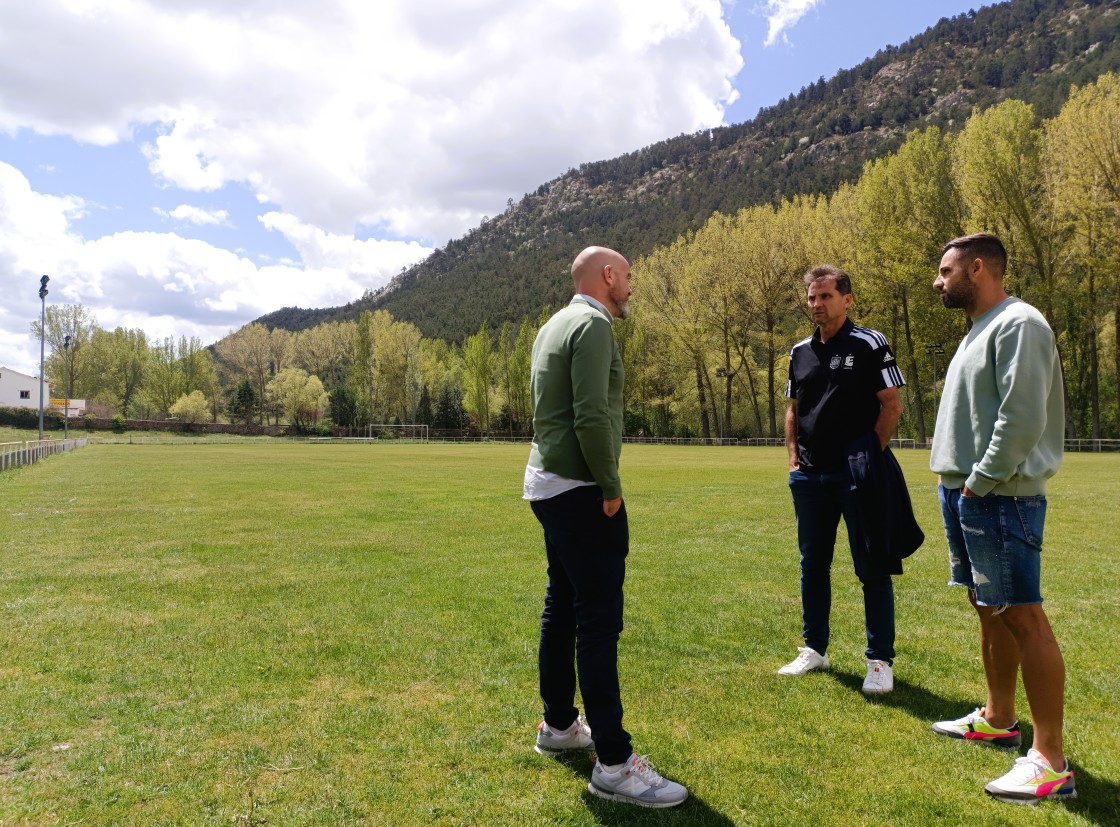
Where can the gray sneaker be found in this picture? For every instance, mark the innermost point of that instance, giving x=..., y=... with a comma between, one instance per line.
x=636, y=783
x=576, y=738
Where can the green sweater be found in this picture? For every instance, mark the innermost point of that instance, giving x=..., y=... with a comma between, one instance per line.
x=576, y=385
x=1002, y=418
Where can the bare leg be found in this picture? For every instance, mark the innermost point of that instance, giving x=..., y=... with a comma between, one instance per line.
x=1000, y=652
x=1044, y=676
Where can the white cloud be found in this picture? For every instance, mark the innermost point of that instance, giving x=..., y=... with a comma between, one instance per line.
x=419, y=116
x=319, y=249
x=163, y=283
x=196, y=215
x=783, y=15
x=401, y=119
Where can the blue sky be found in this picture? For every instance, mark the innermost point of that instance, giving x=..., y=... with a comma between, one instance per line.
x=184, y=166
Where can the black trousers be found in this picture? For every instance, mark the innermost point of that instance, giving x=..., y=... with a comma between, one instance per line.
x=582, y=615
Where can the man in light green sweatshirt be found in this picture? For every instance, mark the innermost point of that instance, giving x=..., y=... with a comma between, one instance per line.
x=998, y=439
x=573, y=487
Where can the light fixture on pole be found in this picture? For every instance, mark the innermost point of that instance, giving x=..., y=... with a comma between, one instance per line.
x=66, y=420
x=42, y=346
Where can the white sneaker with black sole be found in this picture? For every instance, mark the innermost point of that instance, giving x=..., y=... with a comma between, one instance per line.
x=637, y=782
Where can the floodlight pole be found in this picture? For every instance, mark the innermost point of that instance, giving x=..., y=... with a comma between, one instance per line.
x=934, y=350
x=66, y=420
x=721, y=372
x=42, y=346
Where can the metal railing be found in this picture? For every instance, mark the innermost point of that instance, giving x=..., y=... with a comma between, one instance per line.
x=1071, y=445
x=1095, y=446
x=15, y=454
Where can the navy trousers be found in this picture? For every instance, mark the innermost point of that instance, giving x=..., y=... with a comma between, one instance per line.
x=819, y=500
x=582, y=617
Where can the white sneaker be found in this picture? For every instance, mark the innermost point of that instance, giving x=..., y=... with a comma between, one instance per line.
x=880, y=678
x=636, y=783
x=576, y=738
x=808, y=660
x=1031, y=780
x=973, y=727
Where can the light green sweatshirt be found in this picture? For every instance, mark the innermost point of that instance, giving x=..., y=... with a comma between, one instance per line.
x=1001, y=421
x=576, y=384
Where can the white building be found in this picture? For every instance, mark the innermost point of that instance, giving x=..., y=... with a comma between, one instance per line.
x=18, y=390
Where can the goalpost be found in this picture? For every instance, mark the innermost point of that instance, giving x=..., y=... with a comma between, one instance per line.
x=384, y=430
x=379, y=431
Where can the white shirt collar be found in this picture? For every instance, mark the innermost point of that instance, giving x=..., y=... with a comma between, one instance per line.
x=598, y=305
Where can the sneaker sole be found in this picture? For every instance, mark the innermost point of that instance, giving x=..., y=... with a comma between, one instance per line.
x=878, y=691
x=659, y=805
x=804, y=672
x=1029, y=800
x=1007, y=743
x=552, y=752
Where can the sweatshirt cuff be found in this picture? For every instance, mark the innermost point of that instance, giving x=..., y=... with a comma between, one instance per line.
x=979, y=485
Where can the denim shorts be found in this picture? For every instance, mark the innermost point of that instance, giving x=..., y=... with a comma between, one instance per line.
x=995, y=545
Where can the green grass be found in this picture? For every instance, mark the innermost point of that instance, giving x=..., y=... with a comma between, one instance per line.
x=291, y=634
x=10, y=434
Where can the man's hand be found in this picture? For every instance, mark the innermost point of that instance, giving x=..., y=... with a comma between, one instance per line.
x=610, y=507
x=791, y=434
x=890, y=409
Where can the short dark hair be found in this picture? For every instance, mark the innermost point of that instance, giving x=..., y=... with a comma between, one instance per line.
x=981, y=245
x=830, y=271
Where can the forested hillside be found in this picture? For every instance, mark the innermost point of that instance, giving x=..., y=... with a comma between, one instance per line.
x=1005, y=120
x=514, y=264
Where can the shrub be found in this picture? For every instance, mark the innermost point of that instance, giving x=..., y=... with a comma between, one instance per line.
x=192, y=408
x=19, y=417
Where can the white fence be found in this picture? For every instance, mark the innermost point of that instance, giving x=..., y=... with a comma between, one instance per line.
x=1071, y=445
x=15, y=454
x=1095, y=446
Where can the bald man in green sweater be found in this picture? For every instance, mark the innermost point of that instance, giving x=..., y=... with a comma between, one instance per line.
x=573, y=487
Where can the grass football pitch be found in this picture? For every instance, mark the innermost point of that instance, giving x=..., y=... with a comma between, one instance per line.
x=301, y=634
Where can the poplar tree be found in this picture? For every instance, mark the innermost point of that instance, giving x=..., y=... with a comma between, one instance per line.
x=479, y=362
x=1082, y=159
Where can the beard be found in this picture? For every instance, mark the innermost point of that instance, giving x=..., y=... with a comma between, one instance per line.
x=960, y=296
x=621, y=303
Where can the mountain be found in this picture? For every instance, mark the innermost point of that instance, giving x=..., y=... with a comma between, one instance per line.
x=516, y=263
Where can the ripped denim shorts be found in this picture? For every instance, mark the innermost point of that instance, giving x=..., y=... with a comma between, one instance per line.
x=995, y=545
